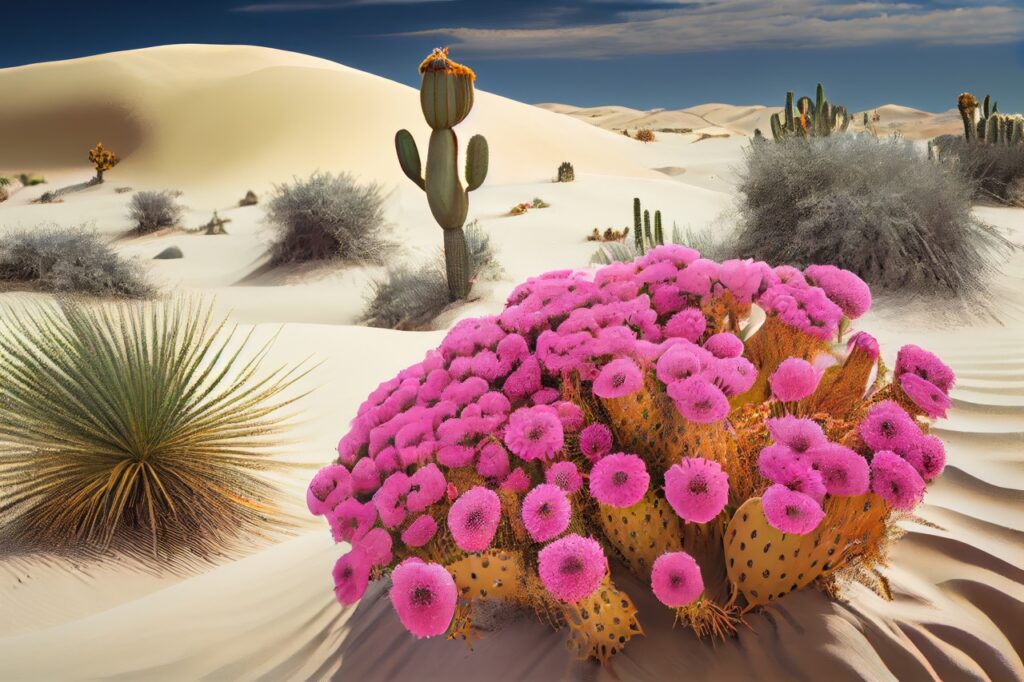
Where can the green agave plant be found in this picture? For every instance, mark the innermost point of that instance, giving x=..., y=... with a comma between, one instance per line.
x=139, y=429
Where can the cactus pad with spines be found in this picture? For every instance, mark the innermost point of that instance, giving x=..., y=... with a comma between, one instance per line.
x=601, y=624
x=643, y=532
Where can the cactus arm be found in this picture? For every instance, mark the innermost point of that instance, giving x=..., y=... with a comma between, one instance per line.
x=447, y=200
x=638, y=235
x=984, y=107
x=409, y=157
x=476, y=162
x=659, y=235
x=778, y=132
x=790, y=125
x=647, y=228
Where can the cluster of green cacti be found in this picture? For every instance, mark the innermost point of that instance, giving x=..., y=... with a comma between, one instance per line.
x=809, y=119
x=644, y=237
x=566, y=172
x=990, y=127
x=446, y=97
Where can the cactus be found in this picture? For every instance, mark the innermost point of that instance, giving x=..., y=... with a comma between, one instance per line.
x=647, y=227
x=990, y=127
x=102, y=160
x=566, y=172
x=809, y=118
x=659, y=235
x=446, y=98
x=638, y=234
x=645, y=135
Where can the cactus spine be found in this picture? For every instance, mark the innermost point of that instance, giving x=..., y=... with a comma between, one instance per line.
x=809, y=119
x=446, y=98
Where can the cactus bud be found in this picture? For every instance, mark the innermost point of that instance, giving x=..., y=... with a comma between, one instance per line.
x=446, y=93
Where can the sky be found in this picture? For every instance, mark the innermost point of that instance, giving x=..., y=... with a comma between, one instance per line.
x=664, y=53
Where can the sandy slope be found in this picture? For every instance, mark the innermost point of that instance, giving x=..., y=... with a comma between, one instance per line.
x=215, y=121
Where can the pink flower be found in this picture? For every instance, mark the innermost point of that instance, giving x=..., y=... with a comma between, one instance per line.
x=523, y=381
x=618, y=378
x=426, y=487
x=865, y=343
x=376, y=544
x=619, y=480
x=516, y=482
x=424, y=596
x=473, y=519
x=351, y=576
x=493, y=461
x=329, y=486
x=791, y=512
x=676, y=580
x=390, y=499
x=546, y=512
x=842, y=470
x=675, y=364
x=697, y=489
x=420, y=531
x=572, y=568
x=688, y=324
x=800, y=435
x=794, y=380
x=734, y=376
x=365, y=477
x=926, y=365
x=565, y=475
x=741, y=277
x=926, y=395
x=928, y=456
x=534, y=432
x=844, y=288
x=596, y=441
x=779, y=463
x=888, y=427
x=351, y=520
x=895, y=480
x=698, y=400
x=724, y=345
x=570, y=415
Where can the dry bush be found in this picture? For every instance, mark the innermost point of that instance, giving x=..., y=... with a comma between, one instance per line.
x=152, y=211
x=996, y=169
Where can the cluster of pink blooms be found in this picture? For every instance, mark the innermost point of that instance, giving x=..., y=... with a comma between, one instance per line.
x=435, y=454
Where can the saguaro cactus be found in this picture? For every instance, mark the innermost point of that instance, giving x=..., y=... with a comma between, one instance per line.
x=984, y=124
x=446, y=97
x=809, y=118
x=102, y=160
x=638, y=233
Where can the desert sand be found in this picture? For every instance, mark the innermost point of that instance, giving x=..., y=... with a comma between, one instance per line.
x=214, y=122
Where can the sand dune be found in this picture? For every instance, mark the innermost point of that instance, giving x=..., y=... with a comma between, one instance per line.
x=215, y=121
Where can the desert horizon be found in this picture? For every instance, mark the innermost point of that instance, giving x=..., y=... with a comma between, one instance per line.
x=216, y=162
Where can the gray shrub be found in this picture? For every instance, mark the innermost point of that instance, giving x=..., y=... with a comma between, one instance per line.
x=152, y=211
x=69, y=260
x=875, y=207
x=328, y=217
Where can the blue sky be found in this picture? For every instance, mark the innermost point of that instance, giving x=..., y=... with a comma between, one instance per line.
x=667, y=53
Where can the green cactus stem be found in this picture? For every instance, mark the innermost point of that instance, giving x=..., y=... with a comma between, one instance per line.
x=647, y=228
x=446, y=98
x=638, y=234
x=659, y=235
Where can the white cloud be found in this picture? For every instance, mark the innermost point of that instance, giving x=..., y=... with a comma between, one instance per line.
x=737, y=24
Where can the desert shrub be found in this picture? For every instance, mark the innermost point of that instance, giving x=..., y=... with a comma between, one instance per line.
x=997, y=170
x=645, y=135
x=69, y=260
x=152, y=211
x=875, y=207
x=31, y=179
x=566, y=173
x=409, y=297
x=141, y=429
x=328, y=217
x=615, y=416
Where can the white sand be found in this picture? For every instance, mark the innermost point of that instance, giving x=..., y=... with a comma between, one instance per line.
x=216, y=121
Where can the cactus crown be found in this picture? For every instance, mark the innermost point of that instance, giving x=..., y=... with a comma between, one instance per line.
x=438, y=62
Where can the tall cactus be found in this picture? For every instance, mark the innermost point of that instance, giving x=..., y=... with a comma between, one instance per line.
x=659, y=235
x=446, y=98
x=809, y=118
x=638, y=233
x=990, y=127
x=644, y=237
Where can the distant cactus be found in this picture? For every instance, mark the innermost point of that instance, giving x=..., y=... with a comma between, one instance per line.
x=645, y=135
x=810, y=119
x=102, y=160
x=986, y=125
x=647, y=227
x=638, y=235
x=644, y=237
x=659, y=235
x=446, y=97
x=566, y=172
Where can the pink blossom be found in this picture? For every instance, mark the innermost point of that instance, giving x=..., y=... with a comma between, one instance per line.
x=724, y=345
x=926, y=395
x=888, y=427
x=618, y=378
x=675, y=364
x=365, y=477
x=676, y=580
x=795, y=379
x=420, y=531
x=572, y=567
x=928, y=456
x=619, y=480
x=516, y=482
x=843, y=471
x=844, y=288
x=791, y=512
x=351, y=576
x=914, y=360
x=351, y=520
x=473, y=519
x=546, y=512
x=698, y=400
x=689, y=324
x=424, y=596
x=493, y=461
x=534, y=433
x=330, y=486
x=799, y=434
x=376, y=544
x=595, y=441
x=565, y=475
x=697, y=489
x=426, y=487
x=896, y=481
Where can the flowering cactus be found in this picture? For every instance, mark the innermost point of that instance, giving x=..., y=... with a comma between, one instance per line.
x=628, y=414
x=102, y=160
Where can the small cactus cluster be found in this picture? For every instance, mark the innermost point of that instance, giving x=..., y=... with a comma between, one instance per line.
x=446, y=97
x=990, y=127
x=566, y=172
x=809, y=119
x=645, y=135
x=610, y=234
x=644, y=237
x=102, y=160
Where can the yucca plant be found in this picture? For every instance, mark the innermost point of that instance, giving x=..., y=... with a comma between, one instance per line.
x=140, y=430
